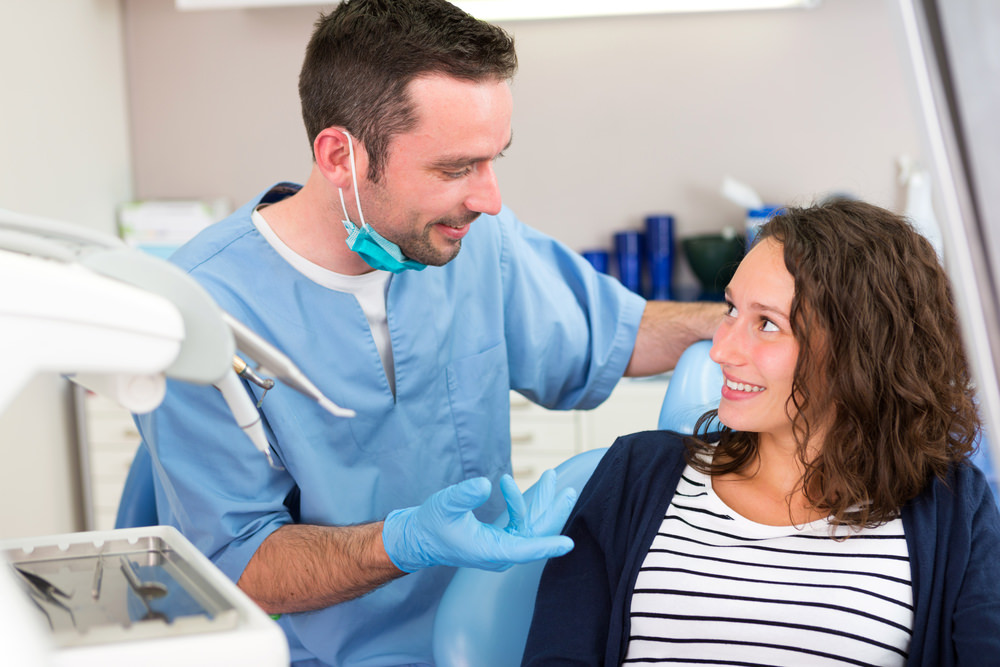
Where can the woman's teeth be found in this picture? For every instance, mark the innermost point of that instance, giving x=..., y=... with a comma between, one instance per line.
x=741, y=386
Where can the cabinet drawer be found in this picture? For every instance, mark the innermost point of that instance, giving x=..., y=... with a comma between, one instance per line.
x=107, y=495
x=107, y=465
x=555, y=435
x=114, y=431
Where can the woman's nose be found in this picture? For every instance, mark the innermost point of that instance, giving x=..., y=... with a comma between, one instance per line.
x=725, y=344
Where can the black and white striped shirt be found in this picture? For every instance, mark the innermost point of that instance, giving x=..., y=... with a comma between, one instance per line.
x=717, y=588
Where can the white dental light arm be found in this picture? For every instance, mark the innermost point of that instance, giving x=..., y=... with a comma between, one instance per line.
x=120, y=321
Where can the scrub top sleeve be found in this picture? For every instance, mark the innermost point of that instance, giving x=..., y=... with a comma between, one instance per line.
x=570, y=330
x=211, y=482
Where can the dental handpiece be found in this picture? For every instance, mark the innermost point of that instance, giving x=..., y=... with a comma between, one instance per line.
x=272, y=362
x=247, y=373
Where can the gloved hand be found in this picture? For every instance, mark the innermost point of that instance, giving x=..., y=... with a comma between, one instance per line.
x=444, y=531
x=545, y=516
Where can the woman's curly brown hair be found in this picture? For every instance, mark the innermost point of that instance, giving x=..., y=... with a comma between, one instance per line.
x=876, y=325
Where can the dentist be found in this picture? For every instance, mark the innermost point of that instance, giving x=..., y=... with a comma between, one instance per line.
x=396, y=278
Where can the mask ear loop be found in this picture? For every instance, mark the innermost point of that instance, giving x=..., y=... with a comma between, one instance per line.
x=354, y=177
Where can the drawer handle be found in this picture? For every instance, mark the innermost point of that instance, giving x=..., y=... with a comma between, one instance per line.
x=521, y=438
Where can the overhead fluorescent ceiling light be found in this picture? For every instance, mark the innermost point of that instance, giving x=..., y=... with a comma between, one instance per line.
x=494, y=10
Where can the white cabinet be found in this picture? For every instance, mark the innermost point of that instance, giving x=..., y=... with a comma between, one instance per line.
x=541, y=439
x=112, y=439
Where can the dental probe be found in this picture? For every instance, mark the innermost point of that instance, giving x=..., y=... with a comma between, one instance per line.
x=272, y=362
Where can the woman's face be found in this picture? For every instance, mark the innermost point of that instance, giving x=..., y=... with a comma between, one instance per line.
x=755, y=347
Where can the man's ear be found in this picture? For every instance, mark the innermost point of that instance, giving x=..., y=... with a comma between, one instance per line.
x=333, y=157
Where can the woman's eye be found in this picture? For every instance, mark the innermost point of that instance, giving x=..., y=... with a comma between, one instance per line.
x=769, y=326
x=731, y=310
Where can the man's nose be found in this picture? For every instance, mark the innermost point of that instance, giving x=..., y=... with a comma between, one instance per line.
x=485, y=194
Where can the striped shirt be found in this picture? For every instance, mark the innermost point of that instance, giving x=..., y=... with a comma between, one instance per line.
x=717, y=588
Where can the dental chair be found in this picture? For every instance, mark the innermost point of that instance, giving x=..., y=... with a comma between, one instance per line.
x=484, y=617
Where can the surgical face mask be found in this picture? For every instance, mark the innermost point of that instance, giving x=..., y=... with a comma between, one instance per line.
x=378, y=251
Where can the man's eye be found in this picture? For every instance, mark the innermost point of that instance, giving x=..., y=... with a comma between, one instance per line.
x=461, y=173
x=731, y=310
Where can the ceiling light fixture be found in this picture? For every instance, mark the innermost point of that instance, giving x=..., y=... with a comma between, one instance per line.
x=498, y=10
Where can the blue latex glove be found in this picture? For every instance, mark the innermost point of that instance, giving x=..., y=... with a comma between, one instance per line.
x=545, y=516
x=444, y=531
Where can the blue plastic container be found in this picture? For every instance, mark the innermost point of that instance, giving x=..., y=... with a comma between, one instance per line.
x=629, y=257
x=660, y=254
x=599, y=259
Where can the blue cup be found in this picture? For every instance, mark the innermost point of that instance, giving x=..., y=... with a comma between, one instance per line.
x=660, y=250
x=629, y=257
x=599, y=259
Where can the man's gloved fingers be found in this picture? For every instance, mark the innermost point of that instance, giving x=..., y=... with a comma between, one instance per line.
x=517, y=509
x=553, y=520
x=527, y=550
x=464, y=496
x=545, y=491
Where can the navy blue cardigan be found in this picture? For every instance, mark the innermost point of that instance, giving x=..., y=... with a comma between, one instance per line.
x=582, y=610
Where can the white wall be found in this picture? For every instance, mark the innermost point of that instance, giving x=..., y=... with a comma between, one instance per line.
x=63, y=154
x=614, y=117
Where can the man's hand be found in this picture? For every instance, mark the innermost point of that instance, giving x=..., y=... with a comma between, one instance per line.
x=444, y=531
x=546, y=515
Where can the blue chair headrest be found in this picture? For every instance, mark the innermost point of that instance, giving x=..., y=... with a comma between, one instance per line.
x=695, y=388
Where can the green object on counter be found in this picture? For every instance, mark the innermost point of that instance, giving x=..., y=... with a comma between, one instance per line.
x=713, y=259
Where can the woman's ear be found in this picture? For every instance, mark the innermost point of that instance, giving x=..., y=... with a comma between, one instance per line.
x=333, y=157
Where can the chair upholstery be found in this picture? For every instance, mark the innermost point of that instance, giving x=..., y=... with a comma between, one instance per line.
x=695, y=388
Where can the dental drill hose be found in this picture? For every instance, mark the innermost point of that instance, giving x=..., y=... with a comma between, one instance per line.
x=245, y=412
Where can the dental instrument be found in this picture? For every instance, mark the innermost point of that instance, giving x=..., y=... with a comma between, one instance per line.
x=272, y=362
x=247, y=373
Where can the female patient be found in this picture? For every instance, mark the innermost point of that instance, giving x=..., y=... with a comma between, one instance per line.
x=835, y=518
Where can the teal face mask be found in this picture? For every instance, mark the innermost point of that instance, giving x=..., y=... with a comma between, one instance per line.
x=378, y=251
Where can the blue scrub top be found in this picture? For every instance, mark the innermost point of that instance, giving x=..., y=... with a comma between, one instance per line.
x=514, y=310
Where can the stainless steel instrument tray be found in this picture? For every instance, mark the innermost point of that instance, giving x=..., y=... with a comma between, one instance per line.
x=117, y=613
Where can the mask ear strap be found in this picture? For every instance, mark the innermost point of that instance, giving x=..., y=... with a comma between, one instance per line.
x=354, y=177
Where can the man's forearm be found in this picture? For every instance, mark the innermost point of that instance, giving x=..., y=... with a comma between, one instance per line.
x=667, y=329
x=302, y=567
